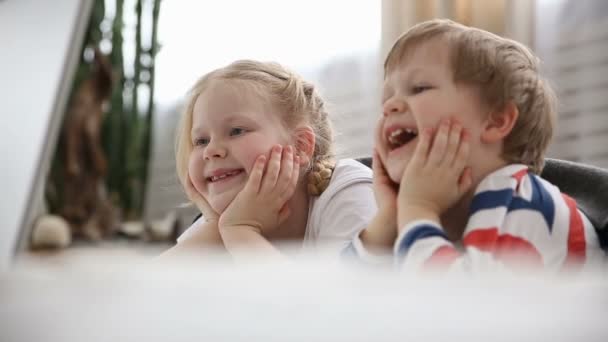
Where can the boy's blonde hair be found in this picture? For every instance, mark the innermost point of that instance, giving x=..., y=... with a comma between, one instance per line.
x=297, y=99
x=504, y=71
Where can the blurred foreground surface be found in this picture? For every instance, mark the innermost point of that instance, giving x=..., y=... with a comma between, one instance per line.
x=128, y=298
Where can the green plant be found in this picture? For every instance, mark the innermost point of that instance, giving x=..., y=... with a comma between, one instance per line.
x=127, y=126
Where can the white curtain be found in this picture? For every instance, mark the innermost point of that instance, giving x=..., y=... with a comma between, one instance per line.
x=572, y=39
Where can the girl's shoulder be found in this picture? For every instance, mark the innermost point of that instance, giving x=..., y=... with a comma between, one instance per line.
x=348, y=171
x=349, y=176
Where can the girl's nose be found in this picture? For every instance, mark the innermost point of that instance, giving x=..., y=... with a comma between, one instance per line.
x=215, y=149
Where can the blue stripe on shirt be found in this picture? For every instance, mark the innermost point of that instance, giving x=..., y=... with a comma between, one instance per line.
x=541, y=201
x=420, y=232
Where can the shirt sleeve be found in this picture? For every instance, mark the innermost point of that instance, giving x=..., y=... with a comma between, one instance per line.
x=190, y=230
x=348, y=211
x=530, y=226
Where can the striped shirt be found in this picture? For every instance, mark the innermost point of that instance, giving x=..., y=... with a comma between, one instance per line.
x=517, y=221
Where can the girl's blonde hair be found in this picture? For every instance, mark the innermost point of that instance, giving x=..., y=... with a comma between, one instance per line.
x=504, y=71
x=297, y=99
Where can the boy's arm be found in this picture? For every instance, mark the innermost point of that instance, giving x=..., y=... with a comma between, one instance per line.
x=378, y=237
x=516, y=224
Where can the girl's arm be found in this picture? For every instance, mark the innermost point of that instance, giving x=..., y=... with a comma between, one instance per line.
x=242, y=241
x=261, y=206
x=204, y=239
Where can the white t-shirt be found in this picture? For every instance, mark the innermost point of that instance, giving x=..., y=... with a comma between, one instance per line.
x=342, y=210
x=339, y=213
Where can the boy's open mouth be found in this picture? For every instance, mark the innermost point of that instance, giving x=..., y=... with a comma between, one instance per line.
x=398, y=137
x=219, y=176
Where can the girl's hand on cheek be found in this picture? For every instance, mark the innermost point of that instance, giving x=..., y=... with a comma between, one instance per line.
x=201, y=203
x=436, y=177
x=261, y=205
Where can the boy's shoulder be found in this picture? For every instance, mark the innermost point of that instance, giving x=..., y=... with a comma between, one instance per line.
x=516, y=187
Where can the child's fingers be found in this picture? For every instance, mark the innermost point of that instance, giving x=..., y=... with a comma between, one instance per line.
x=440, y=142
x=422, y=149
x=462, y=155
x=285, y=195
x=453, y=144
x=255, y=176
x=284, y=213
x=465, y=181
x=199, y=201
x=272, y=170
x=377, y=167
x=287, y=166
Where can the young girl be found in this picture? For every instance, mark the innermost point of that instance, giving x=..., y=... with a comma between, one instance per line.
x=254, y=152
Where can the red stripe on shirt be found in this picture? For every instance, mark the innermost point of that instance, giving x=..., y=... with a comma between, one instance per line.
x=509, y=249
x=518, y=176
x=483, y=239
x=577, y=245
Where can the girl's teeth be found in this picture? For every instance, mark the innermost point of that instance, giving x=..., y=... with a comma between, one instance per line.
x=216, y=178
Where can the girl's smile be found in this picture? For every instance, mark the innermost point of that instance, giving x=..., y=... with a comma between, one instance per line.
x=231, y=126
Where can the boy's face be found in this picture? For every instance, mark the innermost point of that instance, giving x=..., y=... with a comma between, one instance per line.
x=417, y=94
x=231, y=127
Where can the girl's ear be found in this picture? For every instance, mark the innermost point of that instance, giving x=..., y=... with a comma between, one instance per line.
x=499, y=124
x=305, y=144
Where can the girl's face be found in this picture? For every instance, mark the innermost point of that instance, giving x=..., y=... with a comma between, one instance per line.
x=231, y=127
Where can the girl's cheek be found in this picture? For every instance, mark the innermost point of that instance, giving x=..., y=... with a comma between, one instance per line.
x=195, y=170
x=252, y=150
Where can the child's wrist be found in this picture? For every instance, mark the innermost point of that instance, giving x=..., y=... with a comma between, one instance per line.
x=387, y=214
x=417, y=211
x=241, y=227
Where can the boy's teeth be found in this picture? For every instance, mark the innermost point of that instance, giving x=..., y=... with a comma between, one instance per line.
x=394, y=135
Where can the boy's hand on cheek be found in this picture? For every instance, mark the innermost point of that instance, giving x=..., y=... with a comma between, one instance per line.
x=436, y=176
x=385, y=192
x=261, y=205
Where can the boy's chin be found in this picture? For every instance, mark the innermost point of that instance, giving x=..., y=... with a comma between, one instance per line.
x=395, y=173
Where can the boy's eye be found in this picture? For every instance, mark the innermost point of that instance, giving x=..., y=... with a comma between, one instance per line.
x=236, y=131
x=420, y=88
x=201, y=142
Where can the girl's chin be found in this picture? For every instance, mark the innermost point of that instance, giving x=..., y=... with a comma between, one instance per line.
x=219, y=206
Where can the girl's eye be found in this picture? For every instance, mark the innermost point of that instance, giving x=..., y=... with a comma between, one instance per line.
x=201, y=142
x=236, y=131
x=420, y=88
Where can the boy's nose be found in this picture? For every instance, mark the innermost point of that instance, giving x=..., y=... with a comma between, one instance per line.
x=394, y=106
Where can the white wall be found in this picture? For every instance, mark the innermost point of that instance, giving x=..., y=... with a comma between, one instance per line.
x=40, y=45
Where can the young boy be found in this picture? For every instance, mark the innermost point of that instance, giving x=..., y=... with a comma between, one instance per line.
x=465, y=126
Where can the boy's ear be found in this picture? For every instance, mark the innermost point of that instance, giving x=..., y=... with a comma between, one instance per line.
x=500, y=123
x=305, y=143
